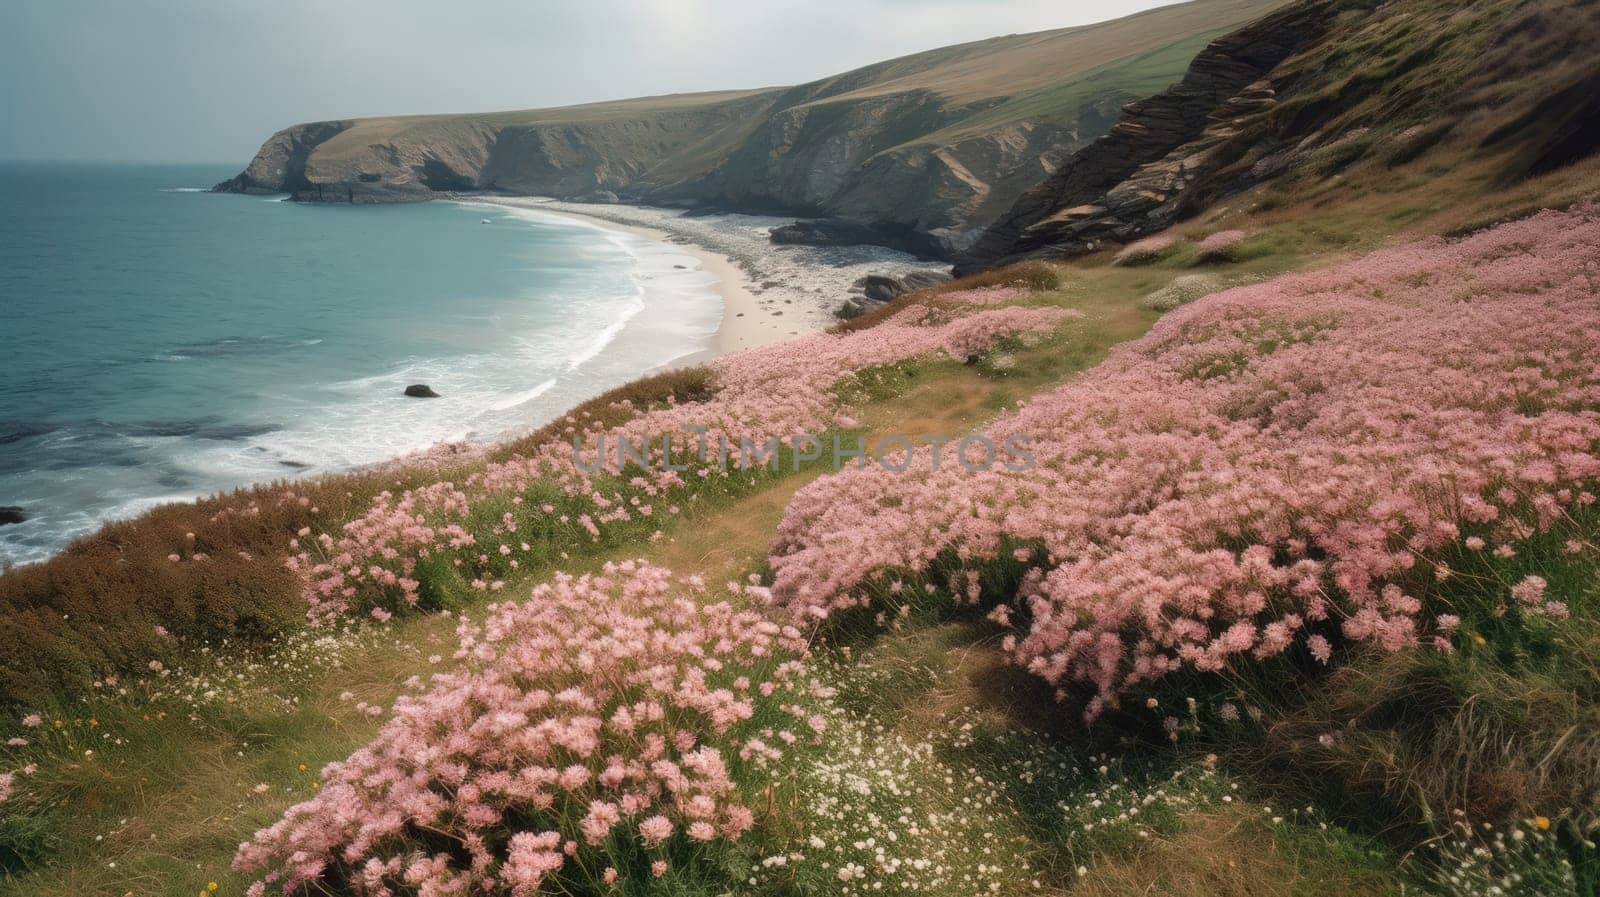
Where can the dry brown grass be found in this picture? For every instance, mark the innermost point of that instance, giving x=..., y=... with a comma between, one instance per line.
x=734, y=540
x=617, y=406
x=1424, y=738
x=93, y=609
x=1231, y=852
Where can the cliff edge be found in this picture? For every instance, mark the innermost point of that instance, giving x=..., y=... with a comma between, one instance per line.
x=923, y=152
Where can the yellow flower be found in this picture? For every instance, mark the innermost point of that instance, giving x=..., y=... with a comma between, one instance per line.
x=1479, y=640
x=211, y=886
x=302, y=767
x=1542, y=823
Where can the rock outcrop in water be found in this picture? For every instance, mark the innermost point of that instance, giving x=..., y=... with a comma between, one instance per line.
x=12, y=514
x=920, y=152
x=421, y=391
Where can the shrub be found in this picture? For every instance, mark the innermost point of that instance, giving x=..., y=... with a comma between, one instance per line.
x=1184, y=289
x=1036, y=276
x=1222, y=246
x=1329, y=160
x=616, y=725
x=1278, y=470
x=96, y=606
x=27, y=838
x=1502, y=723
x=1524, y=859
x=1145, y=251
x=1417, y=140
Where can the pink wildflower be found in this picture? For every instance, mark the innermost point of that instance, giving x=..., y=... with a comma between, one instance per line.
x=638, y=740
x=1221, y=475
x=655, y=830
x=1530, y=590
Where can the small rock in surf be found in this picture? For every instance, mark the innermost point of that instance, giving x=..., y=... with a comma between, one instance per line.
x=421, y=391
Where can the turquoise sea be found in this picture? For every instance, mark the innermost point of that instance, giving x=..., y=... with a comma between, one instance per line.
x=159, y=342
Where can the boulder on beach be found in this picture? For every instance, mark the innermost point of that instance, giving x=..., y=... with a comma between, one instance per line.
x=12, y=514
x=421, y=391
x=923, y=280
x=880, y=287
x=876, y=289
x=822, y=233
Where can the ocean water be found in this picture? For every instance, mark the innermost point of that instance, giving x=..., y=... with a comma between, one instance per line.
x=159, y=342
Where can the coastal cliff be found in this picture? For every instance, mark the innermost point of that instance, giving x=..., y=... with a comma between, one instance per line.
x=1324, y=102
x=1133, y=170
x=922, y=152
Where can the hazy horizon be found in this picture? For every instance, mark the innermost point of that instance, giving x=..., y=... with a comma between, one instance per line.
x=187, y=81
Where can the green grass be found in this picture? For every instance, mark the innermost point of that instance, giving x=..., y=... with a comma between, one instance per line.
x=1083, y=811
x=1103, y=89
x=946, y=727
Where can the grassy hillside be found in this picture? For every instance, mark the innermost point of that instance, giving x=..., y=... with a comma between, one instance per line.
x=1005, y=67
x=1103, y=88
x=1357, y=102
x=150, y=780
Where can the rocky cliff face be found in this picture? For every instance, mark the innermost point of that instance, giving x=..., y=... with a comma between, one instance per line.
x=1133, y=179
x=280, y=164
x=921, y=152
x=1300, y=96
x=569, y=156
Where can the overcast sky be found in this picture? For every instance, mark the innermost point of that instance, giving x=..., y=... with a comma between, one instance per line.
x=208, y=80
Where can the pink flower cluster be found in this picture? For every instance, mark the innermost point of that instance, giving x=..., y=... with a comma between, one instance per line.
x=1276, y=465
x=1220, y=244
x=777, y=391
x=1143, y=251
x=978, y=296
x=597, y=723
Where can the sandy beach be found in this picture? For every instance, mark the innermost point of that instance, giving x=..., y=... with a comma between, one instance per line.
x=746, y=322
x=769, y=293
